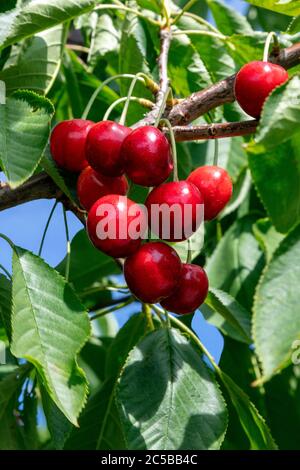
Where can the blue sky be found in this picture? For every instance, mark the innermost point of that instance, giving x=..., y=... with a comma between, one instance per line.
x=25, y=224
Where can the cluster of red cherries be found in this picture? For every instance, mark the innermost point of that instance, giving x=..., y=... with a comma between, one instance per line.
x=105, y=152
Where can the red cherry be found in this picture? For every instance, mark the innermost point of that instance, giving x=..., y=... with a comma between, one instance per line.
x=180, y=213
x=152, y=272
x=191, y=290
x=147, y=156
x=92, y=185
x=215, y=185
x=67, y=144
x=254, y=82
x=103, y=147
x=116, y=224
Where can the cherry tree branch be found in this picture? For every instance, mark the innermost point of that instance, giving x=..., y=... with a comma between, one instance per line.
x=41, y=186
x=164, y=82
x=214, y=131
x=201, y=102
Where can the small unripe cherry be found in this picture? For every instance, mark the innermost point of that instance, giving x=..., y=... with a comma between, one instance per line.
x=152, y=272
x=215, y=185
x=116, y=225
x=147, y=156
x=174, y=210
x=103, y=147
x=91, y=185
x=190, y=292
x=67, y=144
x=254, y=82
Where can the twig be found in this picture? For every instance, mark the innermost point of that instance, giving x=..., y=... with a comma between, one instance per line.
x=214, y=131
x=165, y=42
x=223, y=92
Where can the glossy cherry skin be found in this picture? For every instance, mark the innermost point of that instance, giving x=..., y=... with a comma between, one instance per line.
x=254, y=82
x=92, y=185
x=178, y=224
x=215, y=185
x=120, y=222
x=147, y=156
x=103, y=147
x=152, y=273
x=190, y=292
x=67, y=144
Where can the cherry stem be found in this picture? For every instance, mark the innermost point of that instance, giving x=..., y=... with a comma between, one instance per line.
x=198, y=32
x=186, y=7
x=106, y=311
x=271, y=36
x=5, y=271
x=216, y=152
x=8, y=240
x=202, y=21
x=174, y=150
x=148, y=315
x=128, y=98
x=162, y=107
x=129, y=10
x=189, y=252
x=67, y=271
x=100, y=88
x=46, y=228
x=141, y=101
x=193, y=337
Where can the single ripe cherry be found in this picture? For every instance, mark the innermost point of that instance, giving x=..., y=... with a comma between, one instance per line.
x=116, y=225
x=147, y=156
x=191, y=290
x=103, y=147
x=92, y=185
x=67, y=144
x=215, y=185
x=174, y=210
x=152, y=273
x=254, y=82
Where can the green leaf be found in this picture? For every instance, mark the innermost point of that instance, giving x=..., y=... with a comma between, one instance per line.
x=53, y=171
x=59, y=426
x=282, y=413
x=99, y=424
x=87, y=265
x=10, y=389
x=215, y=57
x=181, y=408
x=36, y=15
x=287, y=7
x=133, y=59
x=100, y=427
x=23, y=134
x=186, y=69
x=276, y=175
x=105, y=38
x=35, y=63
x=276, y=324
x=237, y=262
x=226, y=313
x=49, y=328
x=228, y=20
x=280, y=117
x=29, y=418
x=5, y=304
x=128, y=336
x=268, y=238
x=252, y=422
